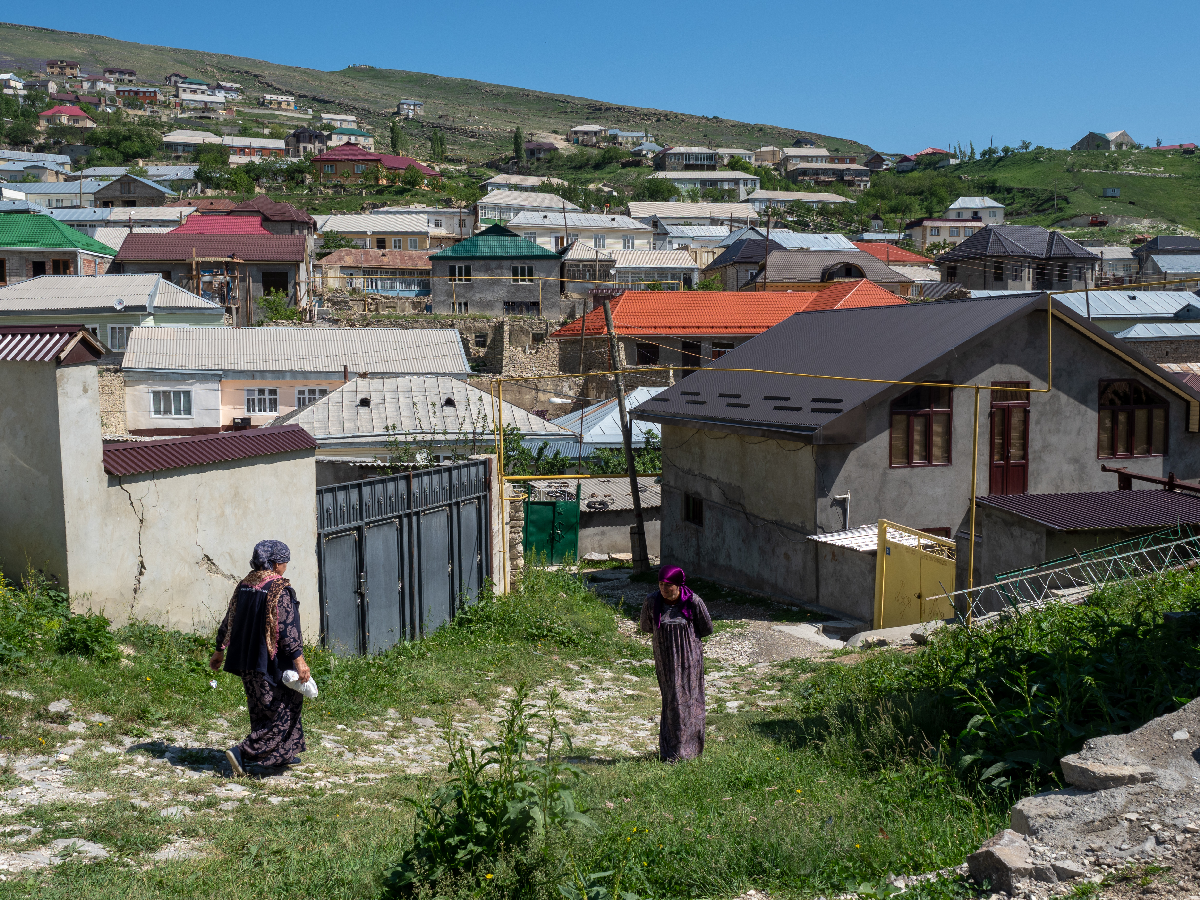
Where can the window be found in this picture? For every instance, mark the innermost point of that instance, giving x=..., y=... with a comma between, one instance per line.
x=1064, y=271
x=262, y=400
x=330, y=168
x=598, y=241
x=397, y=243
x=380, y=243
x=60, y=267
x=531, y=236
x=481, y=339
x=997, y=271
x=39, y=267
x=967, y=232
x=647, y=354
x=720, y=348
x=460, y=273
x=934, y=232
x=413, y=244
x=1133, y=421
x=359, y=168
x=627, y=242
x=1079, y=273
x=437, y=223
x=920, y=431
x=459, y=306
x=118, y=336
x=958, y=215
x=126, y=187
x=309, y=396
x=953, y=232
x=175, y=404
x=951, y=272
x=1040, y=272
x=991, y=214
x=1018, y=273
x=3, y=271
x=522, y=274
x=693, y=510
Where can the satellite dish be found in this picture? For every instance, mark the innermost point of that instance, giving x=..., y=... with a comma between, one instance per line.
x=118, y=303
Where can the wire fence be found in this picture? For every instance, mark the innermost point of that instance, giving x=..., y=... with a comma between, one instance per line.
x=1075, y=582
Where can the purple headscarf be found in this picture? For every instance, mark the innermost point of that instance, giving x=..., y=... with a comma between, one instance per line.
x=674, y=575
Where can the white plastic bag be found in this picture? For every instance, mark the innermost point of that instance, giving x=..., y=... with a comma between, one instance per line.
x=291, y=678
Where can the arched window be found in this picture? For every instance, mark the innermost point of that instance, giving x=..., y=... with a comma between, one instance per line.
x=1133, y=421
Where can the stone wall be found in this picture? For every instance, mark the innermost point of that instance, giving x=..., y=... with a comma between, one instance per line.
x=112, y=400
x=1179, y=351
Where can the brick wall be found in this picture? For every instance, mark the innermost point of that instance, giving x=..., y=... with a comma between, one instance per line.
x=1178, y=351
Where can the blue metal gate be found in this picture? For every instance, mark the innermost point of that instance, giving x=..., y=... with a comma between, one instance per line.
x=400, y=555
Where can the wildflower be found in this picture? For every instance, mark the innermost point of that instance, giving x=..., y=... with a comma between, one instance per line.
x=857, y=845
x=798, y=791
x=488, y=876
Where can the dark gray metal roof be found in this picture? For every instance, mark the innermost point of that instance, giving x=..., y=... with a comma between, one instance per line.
x=813, y=265
x=1167, y=243
x=884, y=342
x=1018, y=241
x=743, y=251
x=1102, y=509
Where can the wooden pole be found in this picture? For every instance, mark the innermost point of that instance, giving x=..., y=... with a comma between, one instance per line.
x=641, y=560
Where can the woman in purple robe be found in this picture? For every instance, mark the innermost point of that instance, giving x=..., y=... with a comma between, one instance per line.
x=677, y=618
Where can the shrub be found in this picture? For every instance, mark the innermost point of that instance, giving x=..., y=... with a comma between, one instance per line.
x=87, y=635
x=277, y=309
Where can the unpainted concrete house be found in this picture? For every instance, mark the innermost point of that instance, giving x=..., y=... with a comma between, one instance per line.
x=159, y=531
x=755, y=464
x=497, y=272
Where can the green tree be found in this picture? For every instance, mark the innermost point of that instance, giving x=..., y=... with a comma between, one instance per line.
x=971, y=154
x=138, y=171
x=521, y=460
x=412, y=177
x=647, y=460
x=654, y=190
x=518, y=144
x=20, y=132
x=212, y=155
x=710, y=284
x=437, y=145
x=1024, y=146
x=399, y=139
x=333, y=240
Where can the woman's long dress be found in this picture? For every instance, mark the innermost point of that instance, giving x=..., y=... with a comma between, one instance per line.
x=679, y=664
x=276, y=732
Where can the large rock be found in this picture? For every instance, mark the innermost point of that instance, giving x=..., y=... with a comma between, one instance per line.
x=1001, y=861
x=1092, y=775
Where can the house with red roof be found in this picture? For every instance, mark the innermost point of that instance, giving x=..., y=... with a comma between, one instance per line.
x=221, y=225
x=65, y=115
x=349, y=163
x=276, y=217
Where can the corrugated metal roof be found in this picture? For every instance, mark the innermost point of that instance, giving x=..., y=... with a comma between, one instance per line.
x=576, y=220
x=1157, y=331
x=865, y=538
x=44, y=343
x=918, y=273
x=222, y=225
x=602, y=421
x=45, y=233
x=88, y=186
x=87, y=214
x=114, y=236
x=891, y=255
x=638, y=313
x=600, y=494
x=1127, y=304
x=425, y=407
x=696, y=231
x=203, y=449
x=680, y=210
x=581, y=250
x=495, y=242
x=789, y=240
x=976, y=203
x=530, y=199
x=384, y=351
x=246, y=247
x=1178, y=264
x=654, y=259
x=378, y=259
x=99, y=292
x=1102, y=509
x=376, y=223
x=720, y=175
x=800, y=196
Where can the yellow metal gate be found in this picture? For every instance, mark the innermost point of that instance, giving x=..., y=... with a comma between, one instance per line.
x=911, y=566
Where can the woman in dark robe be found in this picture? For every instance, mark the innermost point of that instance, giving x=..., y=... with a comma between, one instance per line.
x=677, y=618
x=260, y=640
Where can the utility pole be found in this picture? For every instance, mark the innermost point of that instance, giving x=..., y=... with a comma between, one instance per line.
x=641, y=560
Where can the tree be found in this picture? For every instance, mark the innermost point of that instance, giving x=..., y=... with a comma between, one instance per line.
x=654, y=190
x=989, y=153
x=710, y=284
x=213, y=155
x=333, y=240
x=437, y=145
x=1158, y=142
x=412, y=177
x=971, y=155
x=399, y=139
x=1006, y=151
x=138, y=171
x=1024, y=146
x=519, y=144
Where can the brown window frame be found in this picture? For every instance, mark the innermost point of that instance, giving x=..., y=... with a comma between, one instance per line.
x=923, y=412
x=1131, y=410
x=693, y=510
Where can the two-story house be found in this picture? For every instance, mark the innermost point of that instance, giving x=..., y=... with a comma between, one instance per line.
x=686, y=159
x=305, y=140
x=555, y=230
x=499, y=207
x=738, y=184
x=497, y=272
x=983, y=210
x=1019, y=258
x=379, y=231
x=65, y=115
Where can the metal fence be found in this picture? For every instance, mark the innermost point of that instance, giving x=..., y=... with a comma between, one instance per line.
x=400, y=555
x=1076, y=581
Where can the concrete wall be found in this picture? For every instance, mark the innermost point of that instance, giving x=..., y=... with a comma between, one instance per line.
x=163, y=547
x=181, y=273
x=608, y=532
x=206, y=402
x=758, y=510
x=846, y=580
x=491, y=286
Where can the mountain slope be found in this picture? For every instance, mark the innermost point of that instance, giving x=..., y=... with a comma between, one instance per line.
x=477, y=117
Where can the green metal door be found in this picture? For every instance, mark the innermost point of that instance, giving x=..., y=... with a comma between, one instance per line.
x=551, y=530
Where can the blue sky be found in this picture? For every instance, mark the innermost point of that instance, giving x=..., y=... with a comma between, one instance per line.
x=897, y=76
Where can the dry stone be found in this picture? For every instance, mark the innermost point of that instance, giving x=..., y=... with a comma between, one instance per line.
x=1001, y=861
x=1098, y=776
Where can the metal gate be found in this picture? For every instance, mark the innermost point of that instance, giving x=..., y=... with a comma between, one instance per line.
x=551, y=530
x=399, y=555
x=912, y=568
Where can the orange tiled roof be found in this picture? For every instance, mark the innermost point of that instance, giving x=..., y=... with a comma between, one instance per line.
x=692, y=313
x=890, y=254
x=853, y=294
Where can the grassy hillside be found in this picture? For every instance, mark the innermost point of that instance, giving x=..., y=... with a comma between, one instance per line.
x=477, y=117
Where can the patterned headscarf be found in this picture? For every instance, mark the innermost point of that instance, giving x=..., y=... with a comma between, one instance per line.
x=676, y=575
x=268, y=553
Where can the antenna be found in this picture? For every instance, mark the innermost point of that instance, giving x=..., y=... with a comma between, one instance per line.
x=118, y=304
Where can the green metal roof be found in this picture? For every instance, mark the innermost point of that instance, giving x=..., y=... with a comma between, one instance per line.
x=351, y=131
x=29, y=230
x=496, y=242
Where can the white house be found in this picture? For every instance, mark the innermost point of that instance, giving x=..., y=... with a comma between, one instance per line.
x=762, y=200
x=554, y=230
x=985, y=209
x=664, y=270
x=726, y=180
x=498, y=207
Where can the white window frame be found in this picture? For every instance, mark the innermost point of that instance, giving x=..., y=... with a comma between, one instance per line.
x=522, y=274
x=179, y=403
x=414, y=243
x=628, y=242
x=437, y=223
x=119, y=331
x=397, y=243
x=598, y=241
x=953, y=232
x=459, y=273
x=262, y=401
x=935, y=232
x=991, y=214
x=307, y=396
x=530, y=236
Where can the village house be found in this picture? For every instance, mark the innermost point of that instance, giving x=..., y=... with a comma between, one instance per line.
x=339, y=120
x=738, y=262
x=653, y=214
x=183, y=142
x=43, y=172
x=12, y=85
x=924, y=232
x=1166, y=245
x=277, y=101
x=397, y=273
x=437, y=417
x=686, y=159
x=853, y=176
x=63, y=194
x=984, y=210
x=1019, y=258
x=407, y=109
x=356, y=136
x=691, y=238
x=351, y=164
x=588, y=135
x=130, y=190
x=725, y=154
x=1118, y=263
x=536, y=150
x=242, y=149
x=64, y=68
x=810, y=270
x=140, y=94
x=305, y=140
x=198, y=97
x=738, y=183
x=1112, y=140
x=32, y=245
x=584, y=268
x=555, y=230
x=446, y=225
x=379, y=231
x=275, y=216
x=767, y=156
x=497, y=272
x=109, y=306
x=498, y=207
x=65, y=115
x=655, y=270
x=855, y=452
x=518, y=182
x=201, y=380
x=790, y=156
x=763, y=200
x=121, y=76
x=1179, y=272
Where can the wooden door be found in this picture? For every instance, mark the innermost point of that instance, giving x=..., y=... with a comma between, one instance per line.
x=1009, y=466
